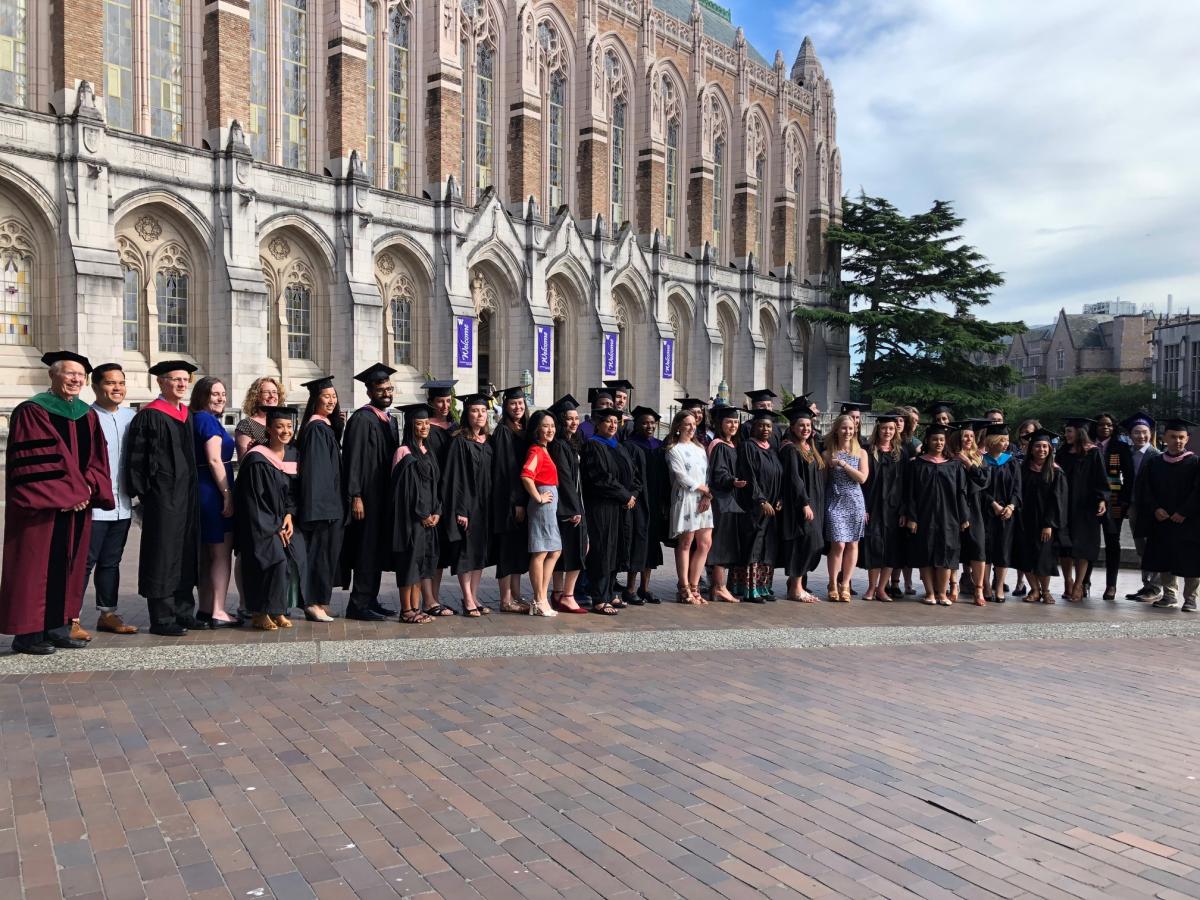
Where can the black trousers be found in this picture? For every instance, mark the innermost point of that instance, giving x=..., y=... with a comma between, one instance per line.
x=1112, y=553
x=364, y=594
x=104, y=556
x=178, y=609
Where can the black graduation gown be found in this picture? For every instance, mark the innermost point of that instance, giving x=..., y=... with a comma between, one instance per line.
x=1175, y=487
x=1004, y=487
x=262, y=496
x=801, y=544
x=161, y=471
x=607, y=487
x=1087, y=485
x=367, y=450
x=467, y=492
x=322, y=510
x=763, y=474
x=648, y=519
x=631, y=471
x=935, y=497
x=1043, y=505
x=570, y=504
x=883, y=493
x=439, y=442
x=728, y=515
x=416, y=495
x=1117, y=458
x=974, y=539
x=510, y=538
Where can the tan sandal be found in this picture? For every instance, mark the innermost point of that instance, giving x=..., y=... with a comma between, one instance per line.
x=263, y=622
x=282, y=621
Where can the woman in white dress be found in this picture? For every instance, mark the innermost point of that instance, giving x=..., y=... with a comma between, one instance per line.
x=691, y=520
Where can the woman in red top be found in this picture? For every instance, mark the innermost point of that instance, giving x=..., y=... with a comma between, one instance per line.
x=539, y=475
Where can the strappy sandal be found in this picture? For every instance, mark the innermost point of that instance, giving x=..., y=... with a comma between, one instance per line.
x=514, y=606
x=415, y=617
x=475, y=612
x=980, y=600
x=697, y=597
x=834, y=596
x=437, y=610
x=604, y=609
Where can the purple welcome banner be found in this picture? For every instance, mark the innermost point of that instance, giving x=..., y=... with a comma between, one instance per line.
x=610, y=354
x=464, y=345
x=668, y=358
x=545, y=356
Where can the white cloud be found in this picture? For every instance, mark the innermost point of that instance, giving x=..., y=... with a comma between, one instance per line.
x=1066, y=132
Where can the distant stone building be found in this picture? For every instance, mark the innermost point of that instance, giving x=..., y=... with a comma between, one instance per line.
x=1176, y=366
x=1081, y=344
x=478, y=189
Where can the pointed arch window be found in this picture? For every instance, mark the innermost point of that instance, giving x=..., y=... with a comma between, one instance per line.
x=260, y=80
x=297, y=305
x=389, y=88
x=14, y=74
x=399, y=294
x=171, y=292
x=718, y=201
x=16, y=283
x=674, y=125
x=279, y=82
x=118, y=63
x=479, y=59
x=618, y=90
x=401, y=311
x=144, y=43
x=131, y=309
x=554, y=102
x=760, y=232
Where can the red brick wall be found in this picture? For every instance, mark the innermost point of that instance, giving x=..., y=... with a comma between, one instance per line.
x=77, y=44
x=226, y=67
x=347, y=104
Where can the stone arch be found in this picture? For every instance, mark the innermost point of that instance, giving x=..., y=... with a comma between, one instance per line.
x=768, y=330
x=298, y=275
x=404, y=287
x=315, y=236
x=576, y=334
x=727, y=327
x=416, y=255
x=508, y=270
x=679, y=314
x=182, y=208
x=498, y=312
x=29, y=314
x=165, y=283
x=637, y=344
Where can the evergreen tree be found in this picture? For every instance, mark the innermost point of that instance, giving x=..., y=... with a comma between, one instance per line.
x=910, y=288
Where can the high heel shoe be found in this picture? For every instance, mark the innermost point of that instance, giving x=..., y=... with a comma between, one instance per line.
x=576, y=609
x=535, y=609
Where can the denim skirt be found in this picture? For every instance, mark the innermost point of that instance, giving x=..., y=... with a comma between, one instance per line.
x=544, y=536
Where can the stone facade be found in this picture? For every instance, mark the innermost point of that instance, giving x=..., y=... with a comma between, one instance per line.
x=429, y=182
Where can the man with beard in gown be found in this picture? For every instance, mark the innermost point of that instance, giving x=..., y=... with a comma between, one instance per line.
x=367, y=450
x=608, y=494
x=161, y=468
x=1168, y=497
x=57, y=472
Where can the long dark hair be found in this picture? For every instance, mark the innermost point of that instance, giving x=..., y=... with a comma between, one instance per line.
x=1048, y=467
x=335, y=419
x=560, y=434
x=535, y=423
x=464, y=429
x=202, y=393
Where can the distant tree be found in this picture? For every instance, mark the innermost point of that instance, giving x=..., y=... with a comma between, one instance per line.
x=910, y=288
x=1089, y=395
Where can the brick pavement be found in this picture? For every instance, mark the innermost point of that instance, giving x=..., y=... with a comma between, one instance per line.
x=1042, y=769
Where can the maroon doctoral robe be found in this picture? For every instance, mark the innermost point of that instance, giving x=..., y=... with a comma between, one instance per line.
x=53, y=463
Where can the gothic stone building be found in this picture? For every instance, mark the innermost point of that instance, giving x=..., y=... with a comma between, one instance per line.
x=470, y=188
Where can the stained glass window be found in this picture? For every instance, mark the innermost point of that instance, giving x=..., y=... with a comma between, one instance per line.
x=260, y=80
x=166, y=69
x=297, y=302
x=671, y=189
x=294, y=119
x=556, y=133
x=372, y=26
x=760, y=175
x=485, y=89
x=16, y=316
x=171, y=289
x=718, y=200
x=397, y=113
x=617, y=212
x=118, y=63
x=131, y=310
x=14, y=73
x=402, y=330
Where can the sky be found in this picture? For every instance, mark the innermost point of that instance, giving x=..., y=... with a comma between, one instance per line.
x=1065, y=132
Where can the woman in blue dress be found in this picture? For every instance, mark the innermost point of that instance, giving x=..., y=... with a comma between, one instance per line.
x=845, y=507
x=214, y=455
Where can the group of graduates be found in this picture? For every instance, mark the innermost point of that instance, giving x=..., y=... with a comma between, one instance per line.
x=583, y=506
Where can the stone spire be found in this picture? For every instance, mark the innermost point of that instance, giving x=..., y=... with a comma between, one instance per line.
x=807, y=67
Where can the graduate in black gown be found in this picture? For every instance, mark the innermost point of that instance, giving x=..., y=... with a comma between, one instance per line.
x=728, y=515
x=1001, y=503
x=439, y=395
x=762, y=497
x=764, y=398
x=608, y=493
x=802, y=517
x=510, y=531
x=467, y=502
x=649, y=516
x=936, y=514
x=1168, y=498
x=161, y=470
x=1087, y=485
x=973, y=546
x=572, y=525
x=266, y=536
x=880, y=549
x=321, y=515
x=1041, y=516
x=367, y=449
x=705, y=433
x=416, y=511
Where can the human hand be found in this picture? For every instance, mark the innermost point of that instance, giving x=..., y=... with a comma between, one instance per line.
x=575, y=520
x=632, y=503
x=739, y=483
x=1161, y=515
x=357, y=513
x=808, y=514
x=463, y=522
x=1046, y=534
x=545, y=497
x=227, y=507
x=519, y=514
x=1177, y=518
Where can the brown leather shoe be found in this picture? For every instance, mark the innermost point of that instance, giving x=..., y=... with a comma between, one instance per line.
x=112, y=623
x=282, y=621
x=77, y=632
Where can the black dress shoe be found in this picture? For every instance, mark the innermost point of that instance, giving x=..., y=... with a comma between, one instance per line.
x=383, y=611
x=66, y=643
x=169, y=630
x=33, y=648
x=633, y=600
x=365, y=615
x=647, y=597
x=186, y=622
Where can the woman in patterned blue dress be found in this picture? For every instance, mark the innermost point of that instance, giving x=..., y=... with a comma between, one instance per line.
x=845, y=509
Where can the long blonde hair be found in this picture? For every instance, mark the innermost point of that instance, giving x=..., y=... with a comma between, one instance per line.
x=831, y=439
x=974, y=456
x=807, y=450
x=250, y=404
x=875, y=450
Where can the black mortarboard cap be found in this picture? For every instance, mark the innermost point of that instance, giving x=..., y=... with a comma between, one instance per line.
x=619, y=384
x=415, y=411
x=375, y=374
x=1043, y=434
x=690, y=402
x=938, y=406
x=172, y=365
x=595, y=392
x=1138, y=418
x=973, y=424
x=103, y=369
x=849, y=405
x=517, y=392
x=937, y=429
x=757, y=414
x=761, y=394
x=1177, y=424
x=434, y=389
x=318, y=384
x=995, y=428
x=798, y=409
x=563, y=404
x=278, y=412
x=475, y=400
x=607, y=412
x=722, y=412
x=49, y=359
x=1078, y=421
x=640, y=411
x=895, y=413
